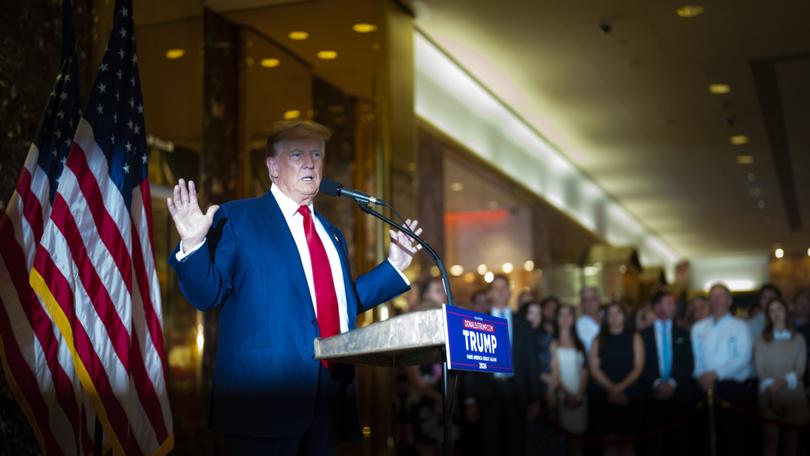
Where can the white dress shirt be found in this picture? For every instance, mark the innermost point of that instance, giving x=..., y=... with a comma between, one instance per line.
x=587, y=330
x=295, y=222
x=723, y=346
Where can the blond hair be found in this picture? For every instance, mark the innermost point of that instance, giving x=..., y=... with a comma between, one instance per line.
x=285, y=130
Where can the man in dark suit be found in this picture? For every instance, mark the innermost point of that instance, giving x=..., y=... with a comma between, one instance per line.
x=278, y=272
x=666, y=380
x=502, y=404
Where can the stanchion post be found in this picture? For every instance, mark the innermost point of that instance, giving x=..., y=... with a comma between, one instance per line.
x=712, y=423
x=447, y=442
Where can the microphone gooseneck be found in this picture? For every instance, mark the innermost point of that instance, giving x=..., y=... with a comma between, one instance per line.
x=336, y=189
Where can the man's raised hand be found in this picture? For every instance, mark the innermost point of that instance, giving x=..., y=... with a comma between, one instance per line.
x=192, y=225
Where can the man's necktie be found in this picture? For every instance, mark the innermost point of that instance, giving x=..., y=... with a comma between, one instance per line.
x=667, y=350
x=325, y=296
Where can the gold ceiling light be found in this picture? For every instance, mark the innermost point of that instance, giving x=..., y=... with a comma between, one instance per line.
x=270, y=63
x=745, y=159
x=687, y=11
x=719, y=89
x=327, y=55
x=738, y=140
x=298, y=35
x=174, y=54
x=364, y=28
x=292, y=114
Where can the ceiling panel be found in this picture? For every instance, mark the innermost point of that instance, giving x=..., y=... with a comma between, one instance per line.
x=631, y=107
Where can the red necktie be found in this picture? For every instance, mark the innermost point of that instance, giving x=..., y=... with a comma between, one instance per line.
x=325, y=296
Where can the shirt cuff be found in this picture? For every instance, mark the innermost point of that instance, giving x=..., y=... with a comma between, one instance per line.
x=180, y=255
x=405, y=279
x=763, y=385
x=792, y=380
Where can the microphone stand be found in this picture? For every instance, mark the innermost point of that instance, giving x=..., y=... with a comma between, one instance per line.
x=447, y=445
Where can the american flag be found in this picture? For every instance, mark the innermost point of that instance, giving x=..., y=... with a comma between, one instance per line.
x=95, y=265
x=36, y=358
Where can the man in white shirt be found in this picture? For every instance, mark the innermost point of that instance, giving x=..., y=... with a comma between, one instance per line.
x=588, y=324
x=723, y=348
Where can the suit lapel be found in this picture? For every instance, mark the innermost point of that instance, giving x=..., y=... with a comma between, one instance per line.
x=657, y=363
x=273, y=222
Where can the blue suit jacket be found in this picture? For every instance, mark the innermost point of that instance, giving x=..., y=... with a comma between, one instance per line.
x=265, y=376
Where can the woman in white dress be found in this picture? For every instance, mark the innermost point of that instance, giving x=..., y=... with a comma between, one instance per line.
x=568, y=368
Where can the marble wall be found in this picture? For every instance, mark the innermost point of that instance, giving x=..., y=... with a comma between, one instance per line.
x=30, y=41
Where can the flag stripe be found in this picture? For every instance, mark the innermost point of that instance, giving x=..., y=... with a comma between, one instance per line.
x=32, y=209
x=128, y=352
x=146, y=323
x=25, y=381
x=108, y=230
x=145, y=287
x=146, y=392
x=58, y=298
x=41, y=325
x=116, y=331
x=147, y=296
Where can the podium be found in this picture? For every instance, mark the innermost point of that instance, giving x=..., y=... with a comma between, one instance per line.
x=405, y=340
x=409, y=339
x=456, y=338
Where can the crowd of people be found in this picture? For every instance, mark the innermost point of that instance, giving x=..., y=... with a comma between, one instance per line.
x=671, y=377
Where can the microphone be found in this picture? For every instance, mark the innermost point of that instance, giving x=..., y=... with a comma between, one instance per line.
x=336, y=189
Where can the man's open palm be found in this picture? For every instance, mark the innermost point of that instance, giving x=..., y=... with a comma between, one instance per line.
x=192, y=225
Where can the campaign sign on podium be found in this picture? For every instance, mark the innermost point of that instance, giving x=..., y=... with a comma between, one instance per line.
x=477, y=342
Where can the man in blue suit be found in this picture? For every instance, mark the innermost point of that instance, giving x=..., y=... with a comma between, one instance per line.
x=279, y=275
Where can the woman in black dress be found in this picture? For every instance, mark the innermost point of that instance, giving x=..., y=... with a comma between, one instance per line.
x=616, y=361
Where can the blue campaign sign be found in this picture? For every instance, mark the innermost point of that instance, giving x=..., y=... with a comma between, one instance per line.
x=477, y=342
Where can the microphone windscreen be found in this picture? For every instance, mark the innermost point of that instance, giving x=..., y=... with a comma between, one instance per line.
x=330, y=187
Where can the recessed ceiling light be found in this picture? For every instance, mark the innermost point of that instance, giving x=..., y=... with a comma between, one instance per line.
x=719, y=89
x=327, y=55
x=298, y=35
x=270, y=63
x=456, y=270
x=808, y=252
x=687, y=11
x=364, y=28
x=738, y=140
x=779, y=252
x=174, y=54
x=292, y=114
x=528, y=265
x=456, y=186
x=745, y=159
x=507, y=267
x=482, y=269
